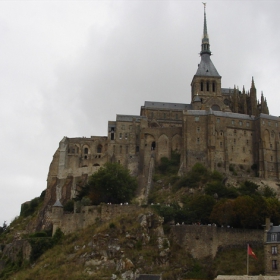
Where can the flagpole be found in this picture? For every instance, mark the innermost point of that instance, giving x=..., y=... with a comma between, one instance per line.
x=247, y=259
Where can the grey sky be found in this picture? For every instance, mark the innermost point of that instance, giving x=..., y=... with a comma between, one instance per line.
x=67, y=67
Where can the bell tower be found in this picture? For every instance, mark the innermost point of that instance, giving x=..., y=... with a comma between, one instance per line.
x=206, y=83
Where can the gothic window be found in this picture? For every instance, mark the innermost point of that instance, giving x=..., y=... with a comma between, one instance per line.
x=274, y=250
x=215, y=107
x=274, y=264
x=112, y=136
x=153, y=146
x=85, y=150
x=99, y=149
x=207, y=86
x=201, y=86
x=213, y=87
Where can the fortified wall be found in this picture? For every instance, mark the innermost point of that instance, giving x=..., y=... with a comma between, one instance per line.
x=200, y=241
x=88, y=215
x=204, y=241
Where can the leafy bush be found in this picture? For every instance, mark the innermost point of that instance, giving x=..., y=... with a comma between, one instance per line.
x=171, y=166
x=40, y=244
x=111, y=183
x=69, y=206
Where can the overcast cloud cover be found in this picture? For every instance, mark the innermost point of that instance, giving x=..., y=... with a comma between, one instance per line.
x=67, y=67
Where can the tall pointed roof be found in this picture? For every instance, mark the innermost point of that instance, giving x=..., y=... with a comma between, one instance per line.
x=205, y=46
x=206, y=66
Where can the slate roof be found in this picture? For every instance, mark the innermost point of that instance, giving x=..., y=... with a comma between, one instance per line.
x=58, y=204
x=274, y=229
x=129, y=118
x=220, y=114
x=167, y=105
x=206, y=67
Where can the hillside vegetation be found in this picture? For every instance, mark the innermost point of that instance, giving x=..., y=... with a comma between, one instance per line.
x=141, y=242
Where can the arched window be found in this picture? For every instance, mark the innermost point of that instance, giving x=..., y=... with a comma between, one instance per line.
x=99, y=148
x=153, y=146
x=85, y=150
x=216, y=107
x=207, y=86
x=213, y=87
x=201, y=86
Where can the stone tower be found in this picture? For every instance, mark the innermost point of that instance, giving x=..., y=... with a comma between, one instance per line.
x=206, y=83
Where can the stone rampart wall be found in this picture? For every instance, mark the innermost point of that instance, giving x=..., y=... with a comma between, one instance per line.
x=204, y=241
x=71, y=222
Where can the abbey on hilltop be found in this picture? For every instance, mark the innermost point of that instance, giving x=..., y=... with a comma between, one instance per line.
x=221, y=128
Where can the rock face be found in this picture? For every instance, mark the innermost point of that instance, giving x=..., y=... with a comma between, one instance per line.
x=16, y=248
x=109, y=251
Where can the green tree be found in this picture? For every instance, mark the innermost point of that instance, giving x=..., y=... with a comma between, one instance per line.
x=111, y=183
x=200, y=207
x=223, y=212
x=248, y=188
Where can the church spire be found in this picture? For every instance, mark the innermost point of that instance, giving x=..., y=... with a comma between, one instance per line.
x=205, y=46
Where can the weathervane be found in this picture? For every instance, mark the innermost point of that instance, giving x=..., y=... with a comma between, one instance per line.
x=204, y=3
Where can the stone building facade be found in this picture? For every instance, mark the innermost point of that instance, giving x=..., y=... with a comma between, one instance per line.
x=272, y=249
x=221, y=127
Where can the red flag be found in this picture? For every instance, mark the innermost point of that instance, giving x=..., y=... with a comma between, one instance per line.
x=251, y=253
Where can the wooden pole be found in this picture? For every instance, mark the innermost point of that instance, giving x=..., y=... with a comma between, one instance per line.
x=247, y=259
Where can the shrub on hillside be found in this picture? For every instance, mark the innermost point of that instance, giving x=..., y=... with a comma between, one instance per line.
x=111, y=183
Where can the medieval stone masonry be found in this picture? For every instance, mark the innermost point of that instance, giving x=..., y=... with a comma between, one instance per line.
x=220, y=128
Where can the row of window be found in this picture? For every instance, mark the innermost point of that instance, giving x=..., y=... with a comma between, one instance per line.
x=207, y=86
x=270, y=123
x=123, y=127
x=126, y=149
x=85, y=151
x=164, y=115
x=121, y=135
